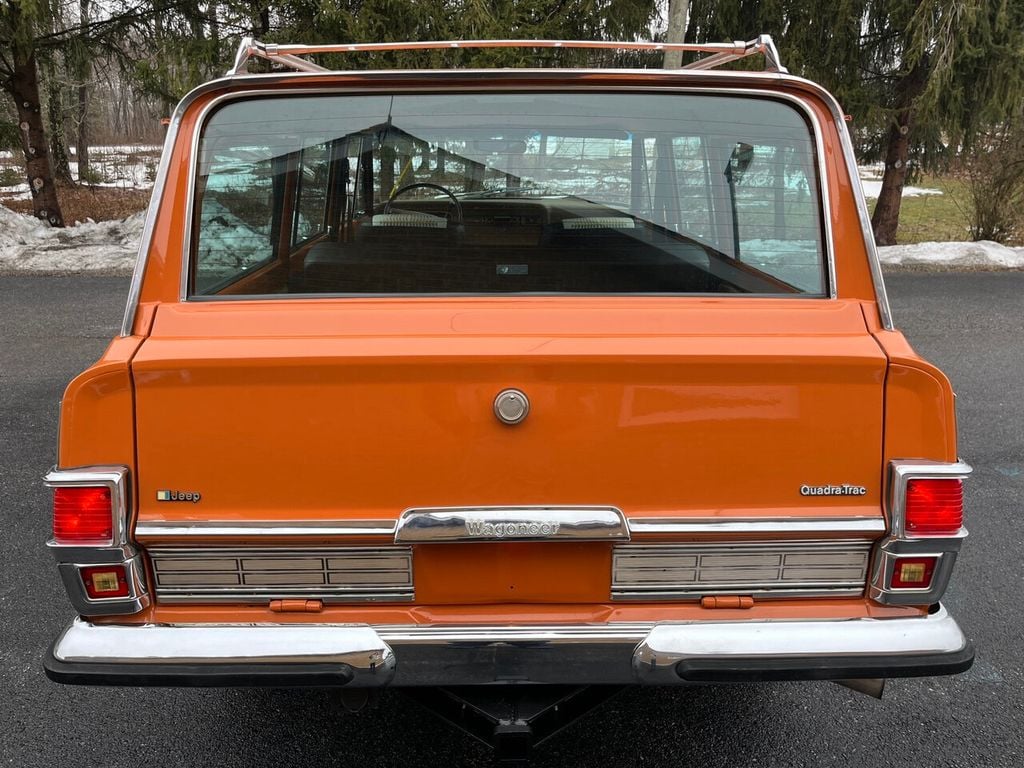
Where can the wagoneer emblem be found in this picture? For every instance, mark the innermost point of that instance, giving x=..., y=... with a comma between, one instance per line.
x=517, y=529
x=480, y=524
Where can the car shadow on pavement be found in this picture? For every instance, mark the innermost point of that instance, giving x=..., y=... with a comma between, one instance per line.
x=649, y=726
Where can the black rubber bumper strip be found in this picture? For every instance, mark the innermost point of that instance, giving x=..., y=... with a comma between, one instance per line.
x=199, y=675
x=337, y=675
x=830, y=668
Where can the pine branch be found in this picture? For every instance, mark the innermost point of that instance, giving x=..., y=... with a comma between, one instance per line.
x=95, y=31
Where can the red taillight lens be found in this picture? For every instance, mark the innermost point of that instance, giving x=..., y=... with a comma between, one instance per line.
x=935, y=506
x=105, y=581
x=913, y=573
x=83, y=516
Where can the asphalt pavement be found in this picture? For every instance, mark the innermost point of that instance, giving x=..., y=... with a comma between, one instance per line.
x=970, y=324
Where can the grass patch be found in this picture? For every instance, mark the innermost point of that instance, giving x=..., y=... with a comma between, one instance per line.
x=97, y=203
x=930, y=218
x=9, y=177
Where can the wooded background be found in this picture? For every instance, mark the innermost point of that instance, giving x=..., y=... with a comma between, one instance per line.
x=930, y=84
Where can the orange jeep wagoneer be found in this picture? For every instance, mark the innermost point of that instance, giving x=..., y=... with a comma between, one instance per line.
x=537, y=381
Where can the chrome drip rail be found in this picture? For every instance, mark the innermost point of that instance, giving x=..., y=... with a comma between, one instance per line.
x=288, y=55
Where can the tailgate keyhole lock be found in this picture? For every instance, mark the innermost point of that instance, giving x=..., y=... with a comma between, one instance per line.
x=511, y=406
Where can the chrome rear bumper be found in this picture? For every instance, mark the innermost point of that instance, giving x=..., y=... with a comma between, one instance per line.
x=667, y=653
x=220, y=654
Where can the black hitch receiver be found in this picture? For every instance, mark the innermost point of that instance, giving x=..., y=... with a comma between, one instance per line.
x=512, y=719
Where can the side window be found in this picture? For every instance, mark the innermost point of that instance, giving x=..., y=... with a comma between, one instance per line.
x=311, y=203
x=235, y=219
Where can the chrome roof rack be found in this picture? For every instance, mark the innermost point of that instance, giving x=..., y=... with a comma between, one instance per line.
x=717, y=53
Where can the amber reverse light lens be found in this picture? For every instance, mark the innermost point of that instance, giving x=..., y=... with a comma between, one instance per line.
x=935, y=506
x=913, y=572
x=105, y=581
x=83, y=516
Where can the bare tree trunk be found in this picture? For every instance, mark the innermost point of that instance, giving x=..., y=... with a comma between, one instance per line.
x=59, y=162
x=84, y=74
x=885, y=220
x=82, y=138
x=677, y=13
x=24, y=88
x=213, y=11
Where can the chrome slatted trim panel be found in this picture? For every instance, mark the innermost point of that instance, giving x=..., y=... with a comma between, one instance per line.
x=759, y=569
x=334, y=575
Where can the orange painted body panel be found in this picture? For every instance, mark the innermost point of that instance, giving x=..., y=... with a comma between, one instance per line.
x=520, y=614
x=334, y=409
x=920, y=418
x=98, y=412
x=512, y=572
x=657, y=406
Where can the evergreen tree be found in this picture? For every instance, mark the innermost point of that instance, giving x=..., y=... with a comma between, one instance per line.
x=920, y=77
x=170, y=46
x=34, y=32
x=333, y=21
x=19, y=77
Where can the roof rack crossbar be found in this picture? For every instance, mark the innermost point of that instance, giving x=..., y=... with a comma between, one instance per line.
x=718, y=53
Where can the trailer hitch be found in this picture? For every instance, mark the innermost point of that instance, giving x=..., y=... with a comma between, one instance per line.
x=512, y=719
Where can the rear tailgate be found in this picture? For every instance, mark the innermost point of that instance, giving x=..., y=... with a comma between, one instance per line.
x=357, y=410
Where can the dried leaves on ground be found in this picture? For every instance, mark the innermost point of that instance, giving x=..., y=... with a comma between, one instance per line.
x=80, y=203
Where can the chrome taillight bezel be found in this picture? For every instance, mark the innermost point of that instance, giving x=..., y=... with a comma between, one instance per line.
x=901, y=473
x=119, y=550
x=115, y=479
x=900, y=543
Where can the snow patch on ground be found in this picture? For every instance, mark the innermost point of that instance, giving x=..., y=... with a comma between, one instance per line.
x=871, y=181
x=28, y=245
x=115, y=167
x=984, y=254
x=873, y=188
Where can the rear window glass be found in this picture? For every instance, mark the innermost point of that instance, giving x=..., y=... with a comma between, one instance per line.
x=471, y=193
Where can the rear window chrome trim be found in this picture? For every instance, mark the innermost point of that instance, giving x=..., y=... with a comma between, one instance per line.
x=867, y=231
x=155, y=202
x=503, y=295
x=800, y=105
